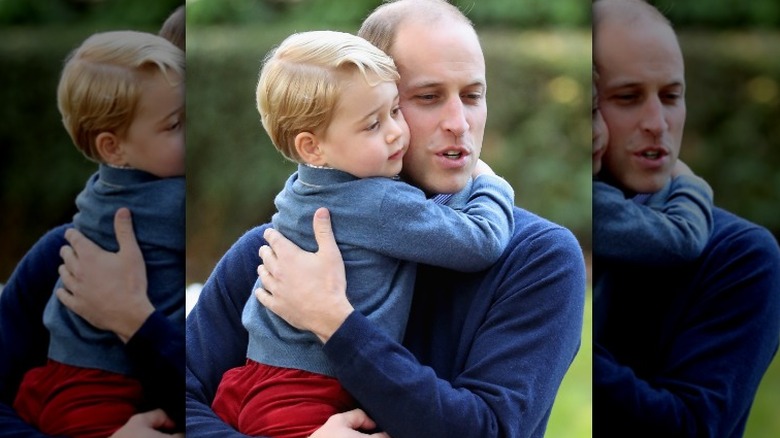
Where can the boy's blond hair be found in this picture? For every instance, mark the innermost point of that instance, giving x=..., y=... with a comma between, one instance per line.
x=302, y=79
x=99, y=85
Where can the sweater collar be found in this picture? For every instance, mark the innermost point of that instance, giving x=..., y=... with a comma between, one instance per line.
x=319, y=176
x=124, y=177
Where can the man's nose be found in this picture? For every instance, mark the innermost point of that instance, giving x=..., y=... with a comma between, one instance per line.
x=454, y=117
x=653, y=117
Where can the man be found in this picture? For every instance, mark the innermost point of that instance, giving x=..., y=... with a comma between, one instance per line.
x=484, y=353
x=678, y=352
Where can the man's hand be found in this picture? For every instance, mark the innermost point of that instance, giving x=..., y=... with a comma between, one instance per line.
x=107, y=289
x=308, y=290
x=348, y=425
x=146, y=425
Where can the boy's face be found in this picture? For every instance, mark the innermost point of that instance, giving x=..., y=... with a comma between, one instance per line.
x=367, y=135
x=442, y=90
x=154, y=141
x=641, y=96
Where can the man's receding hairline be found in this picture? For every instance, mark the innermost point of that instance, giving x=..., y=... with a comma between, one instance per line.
x=626, y=12
x=405, y=12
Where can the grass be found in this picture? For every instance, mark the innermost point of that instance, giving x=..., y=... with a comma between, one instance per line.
x=571, y=414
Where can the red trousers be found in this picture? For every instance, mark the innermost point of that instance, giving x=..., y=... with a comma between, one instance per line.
x=69, y=401
x=258, y=399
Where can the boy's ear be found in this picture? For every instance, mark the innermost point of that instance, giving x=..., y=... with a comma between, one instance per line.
x=308, y=147
x=109, y=149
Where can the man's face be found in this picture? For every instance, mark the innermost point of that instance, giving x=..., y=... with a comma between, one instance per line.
x=642, y=98
x=442, y=95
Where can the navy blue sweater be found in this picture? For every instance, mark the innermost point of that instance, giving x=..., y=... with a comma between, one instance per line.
x=484, y=353
x=156, y=350
x=680, y=352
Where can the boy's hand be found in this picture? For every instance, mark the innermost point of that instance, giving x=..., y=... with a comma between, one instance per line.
x=681, y=168
x=482, y=169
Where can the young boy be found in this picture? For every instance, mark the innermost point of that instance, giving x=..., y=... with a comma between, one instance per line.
x=668, y=227
x=121, y=96
x=329, y=101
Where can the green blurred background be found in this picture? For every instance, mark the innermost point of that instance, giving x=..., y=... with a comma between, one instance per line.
x=538, y=59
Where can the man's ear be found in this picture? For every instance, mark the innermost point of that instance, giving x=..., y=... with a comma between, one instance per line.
x=109, y=149
x=308, y=147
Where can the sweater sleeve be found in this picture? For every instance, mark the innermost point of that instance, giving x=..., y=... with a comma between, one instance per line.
x=673, y=228
x=406, y=226
x=216, y=340
x=706, y=380
x=513, y=358
x=23, y=337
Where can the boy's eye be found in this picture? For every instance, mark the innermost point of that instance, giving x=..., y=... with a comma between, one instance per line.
x=373, y=126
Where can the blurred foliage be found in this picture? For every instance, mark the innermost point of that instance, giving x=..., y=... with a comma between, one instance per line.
x=533, y=13
x=732, y=137
x=721, y=13
x=125, y=13
x=536, y=137
x=572, y=413
x=763, y=421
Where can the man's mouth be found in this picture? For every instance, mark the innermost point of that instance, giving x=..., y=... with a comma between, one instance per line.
x=653, y=154
x=453, y=155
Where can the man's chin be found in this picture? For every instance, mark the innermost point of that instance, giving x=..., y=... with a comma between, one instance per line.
x=444, y=183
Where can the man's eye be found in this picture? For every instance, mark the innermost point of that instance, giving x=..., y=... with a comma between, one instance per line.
x=626, y=98
x=672, y=97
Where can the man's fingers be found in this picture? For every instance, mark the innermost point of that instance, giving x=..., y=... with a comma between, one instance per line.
x=65, y=297
x=123, y=227
x=268, y=281
x=323, y=233
x=264, y=297
x=69, y=258
x=268, y=257
x=78, y=242
x=279, y=244
x=68, y=279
